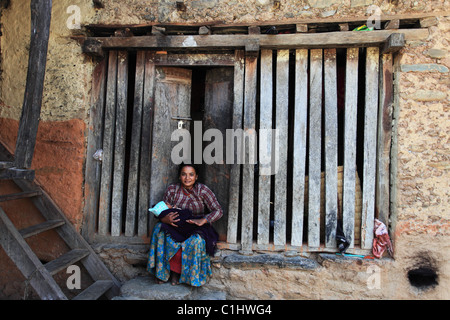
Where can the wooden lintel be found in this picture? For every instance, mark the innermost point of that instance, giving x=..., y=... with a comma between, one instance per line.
x=394, y=43
x=223, y=42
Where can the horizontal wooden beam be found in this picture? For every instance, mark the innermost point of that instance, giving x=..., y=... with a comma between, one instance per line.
x=223, y=42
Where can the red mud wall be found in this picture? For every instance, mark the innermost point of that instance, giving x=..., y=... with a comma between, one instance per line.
x=58, y=161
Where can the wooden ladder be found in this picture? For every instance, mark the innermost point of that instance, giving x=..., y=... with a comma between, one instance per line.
x=39, y=275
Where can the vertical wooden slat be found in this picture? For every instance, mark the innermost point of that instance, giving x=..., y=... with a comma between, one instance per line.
x=248, y=167
x=238, y=93
x=265, y=147
x=133, y=171
x=315, y=131
x=146, y=143
x=350, y=123
x=299, y=152
x=95, y=138
x=370, y=147
x=281, y=126
x=331, y=182
x=119, y=144
x=384, y=137
x=41, y=11
x=104, y=217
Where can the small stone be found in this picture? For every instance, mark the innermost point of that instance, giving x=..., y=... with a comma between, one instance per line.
x=437, y=53
x=427, y=95
x=432, y=67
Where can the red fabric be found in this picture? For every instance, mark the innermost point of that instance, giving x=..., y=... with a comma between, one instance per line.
x=175, y=262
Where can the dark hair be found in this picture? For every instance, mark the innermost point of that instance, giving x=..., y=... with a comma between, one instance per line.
x=187, y=165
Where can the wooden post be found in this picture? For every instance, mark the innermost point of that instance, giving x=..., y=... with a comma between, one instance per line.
x=238, y=106
x=29, y=120
x=248, y=168
x=331, y=142
x=265, y=149
x=133, y=181
x=281, y=125
x=315, y=142
x=351, y=107
x=370, y=147
x=384, y=137
x=299, y=156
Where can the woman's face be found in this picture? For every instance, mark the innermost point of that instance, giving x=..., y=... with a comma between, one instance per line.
x=188, y=177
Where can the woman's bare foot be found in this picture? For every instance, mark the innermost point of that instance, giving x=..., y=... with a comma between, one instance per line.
x=159, y=281
x=175, y=278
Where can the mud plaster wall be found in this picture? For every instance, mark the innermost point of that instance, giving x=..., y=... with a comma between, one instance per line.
x=421, y=148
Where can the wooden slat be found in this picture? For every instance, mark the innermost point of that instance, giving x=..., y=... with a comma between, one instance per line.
x=349, y=184
x=119, y=144
x=65, y=260
x=299, y=153
x=36, y=229
x=26, y=261
x=281, y=126
x=146, y=143
x=31, y=109
x=248, y=167
x=238, y=102
x=95, y=139
x=265, y=147
x=315, y=132
x=133, y=171
x=6, y=164
x=266, y=41
x=104, y=216
x=331, y=142
x=95, y=291
x=384, y=137
x=15, y=173
x=370, y=147
x=20, y=195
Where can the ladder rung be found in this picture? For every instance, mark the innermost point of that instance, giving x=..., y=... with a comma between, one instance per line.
x=65, y=260
x=15, y=173
x=94, y=291
x=38, y=228
x=20, y=195
x=6, y=164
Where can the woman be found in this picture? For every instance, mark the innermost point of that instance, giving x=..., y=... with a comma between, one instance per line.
x=187, y=261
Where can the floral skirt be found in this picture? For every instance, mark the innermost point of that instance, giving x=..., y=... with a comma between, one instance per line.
x=195, y=262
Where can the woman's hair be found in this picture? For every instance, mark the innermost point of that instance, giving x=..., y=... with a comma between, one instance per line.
x=187, y=165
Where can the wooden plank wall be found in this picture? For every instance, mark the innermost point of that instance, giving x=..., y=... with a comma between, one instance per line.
x=258, y=206
x=313, y=154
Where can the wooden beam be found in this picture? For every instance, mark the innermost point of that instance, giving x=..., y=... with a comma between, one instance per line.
x=394, y=43
x=29, y=120
x=266, y=41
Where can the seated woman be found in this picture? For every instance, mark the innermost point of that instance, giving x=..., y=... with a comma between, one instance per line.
x=187, y=261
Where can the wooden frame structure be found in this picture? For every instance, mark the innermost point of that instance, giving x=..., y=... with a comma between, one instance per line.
x=200, y=50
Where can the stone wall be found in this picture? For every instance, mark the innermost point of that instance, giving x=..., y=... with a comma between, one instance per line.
x=419, y=210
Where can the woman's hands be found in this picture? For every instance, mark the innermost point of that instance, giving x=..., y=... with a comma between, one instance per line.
x=171, y=218
x=198, y=222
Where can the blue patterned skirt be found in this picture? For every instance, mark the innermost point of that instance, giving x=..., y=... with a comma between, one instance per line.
x=195, y=262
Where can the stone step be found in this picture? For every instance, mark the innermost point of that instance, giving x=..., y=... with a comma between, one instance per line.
x=146, y=288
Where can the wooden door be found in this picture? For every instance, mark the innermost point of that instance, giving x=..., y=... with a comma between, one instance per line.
x=172, y=102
